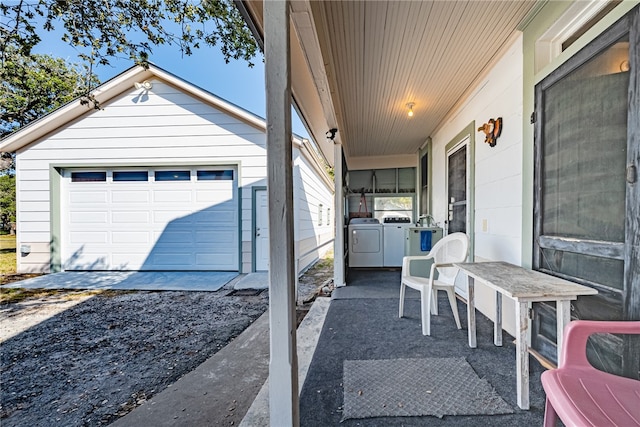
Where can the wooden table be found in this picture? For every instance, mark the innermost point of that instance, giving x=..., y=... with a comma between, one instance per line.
x=523, y=286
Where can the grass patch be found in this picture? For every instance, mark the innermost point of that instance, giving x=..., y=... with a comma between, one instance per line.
x=14, y=295
x=7, y=254
x=325, y=262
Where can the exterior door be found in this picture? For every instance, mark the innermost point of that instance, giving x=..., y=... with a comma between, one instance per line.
x=587, y=203
x=457, y=188
x=261, y=240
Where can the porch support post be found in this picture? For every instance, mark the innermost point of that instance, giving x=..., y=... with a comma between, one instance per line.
x=338, y=243
x=283, y=364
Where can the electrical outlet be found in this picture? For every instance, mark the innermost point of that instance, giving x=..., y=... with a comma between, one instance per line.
x=485, y=225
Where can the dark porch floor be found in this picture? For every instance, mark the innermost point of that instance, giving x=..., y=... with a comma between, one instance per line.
x=362, y=323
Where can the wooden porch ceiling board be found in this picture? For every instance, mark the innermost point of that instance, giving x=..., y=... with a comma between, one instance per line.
x=387, y=53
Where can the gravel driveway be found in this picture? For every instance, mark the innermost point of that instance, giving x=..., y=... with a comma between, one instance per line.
x=97, y=360
x=102, y=355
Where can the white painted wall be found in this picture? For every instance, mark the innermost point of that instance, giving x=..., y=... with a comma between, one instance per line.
x=498, y=170
x=313, y=199
x=164, y=126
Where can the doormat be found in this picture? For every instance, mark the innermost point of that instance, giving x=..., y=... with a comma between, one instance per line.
x=417, y=387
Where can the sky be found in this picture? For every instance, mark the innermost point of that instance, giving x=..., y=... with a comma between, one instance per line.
x=206, y=68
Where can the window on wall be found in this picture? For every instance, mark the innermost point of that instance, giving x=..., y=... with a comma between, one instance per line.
x=88, y=176
x=215, y=175
x=173, y=175
x=606, y=8
x=393, y=206
x=424, y=184
x=328, y=216
x=578, y=18
x=320, y=214
x=130, y=176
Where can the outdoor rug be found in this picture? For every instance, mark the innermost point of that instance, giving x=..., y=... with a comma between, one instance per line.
x=417, y=387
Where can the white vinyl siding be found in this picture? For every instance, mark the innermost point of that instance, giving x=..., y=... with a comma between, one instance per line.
x=167, y=127
x=312, y=196
x=498, y=170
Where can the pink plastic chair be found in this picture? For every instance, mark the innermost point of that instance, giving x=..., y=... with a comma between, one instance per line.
x=580, y=394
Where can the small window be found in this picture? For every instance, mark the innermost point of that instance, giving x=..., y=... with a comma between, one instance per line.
x=328, y=216
x=130, y=176
x=88, y=176
x=392, y=206
x=319, y=214
x=219, y=175
x=173, y=175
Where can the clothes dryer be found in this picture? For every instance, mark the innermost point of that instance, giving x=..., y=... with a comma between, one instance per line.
x=365, y=243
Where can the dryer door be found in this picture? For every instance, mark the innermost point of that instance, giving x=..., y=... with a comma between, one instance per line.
x=365, y=247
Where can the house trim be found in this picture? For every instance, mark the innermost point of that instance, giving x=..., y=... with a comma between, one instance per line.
x=549, y=14
x=254, y=206
x=549, y=45
x=55, y=204
x=468, y=132
x=112, y=88
x=427, y=150
x=55, y=186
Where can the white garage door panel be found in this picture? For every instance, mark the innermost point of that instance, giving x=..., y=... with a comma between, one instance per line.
x=174, y=238
x=88, y=197
x=172, y=259
x=89, y=217
x=216, y=236
x=149, y=225
x=87, y=237
x=213, y=259
x=165, y=216
x=130, y=237
x=215, y=196
x=127, y=197
x=174, y=196
x=223, y=216
x=130, y=217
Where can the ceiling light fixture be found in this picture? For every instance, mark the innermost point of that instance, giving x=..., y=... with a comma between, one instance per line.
x=410, y=107
x=146, y=85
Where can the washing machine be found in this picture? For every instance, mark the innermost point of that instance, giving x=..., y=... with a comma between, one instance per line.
x=394, y=231
x=365, y=243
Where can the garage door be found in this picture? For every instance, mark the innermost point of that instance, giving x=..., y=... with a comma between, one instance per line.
x=150, y=219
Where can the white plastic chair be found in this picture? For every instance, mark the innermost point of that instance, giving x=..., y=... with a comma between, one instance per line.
x=451, y=249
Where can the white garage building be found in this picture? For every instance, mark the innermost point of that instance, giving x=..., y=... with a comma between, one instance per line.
x=164, y=176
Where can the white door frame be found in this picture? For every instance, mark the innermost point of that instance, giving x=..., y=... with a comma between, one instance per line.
x=465, y=137
x=464, y=143
x=260, y=231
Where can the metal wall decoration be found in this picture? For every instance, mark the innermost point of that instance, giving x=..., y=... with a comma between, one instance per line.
x=492, y=130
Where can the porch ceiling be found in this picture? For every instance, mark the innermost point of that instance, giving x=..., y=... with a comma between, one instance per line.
x=365, y=60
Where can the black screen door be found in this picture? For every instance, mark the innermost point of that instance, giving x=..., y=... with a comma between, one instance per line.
x=457, y=189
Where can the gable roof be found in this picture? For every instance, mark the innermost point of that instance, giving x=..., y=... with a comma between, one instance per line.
x=112, y=88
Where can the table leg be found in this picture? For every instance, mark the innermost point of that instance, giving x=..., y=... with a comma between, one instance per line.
x=522, y=354
x=497, y=324
x=471, y=312
x=563, y=317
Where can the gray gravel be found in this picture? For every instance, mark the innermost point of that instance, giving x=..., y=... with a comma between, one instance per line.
x=94, y=362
